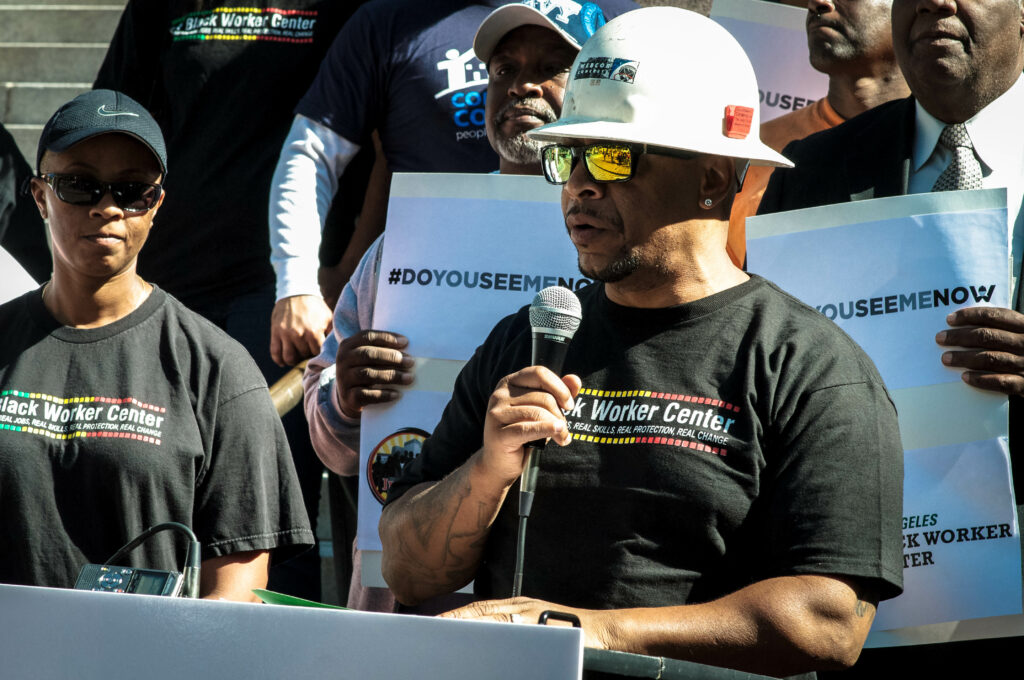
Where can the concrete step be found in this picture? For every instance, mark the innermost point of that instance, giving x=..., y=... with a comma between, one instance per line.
x=58, y=23
x=35, y=102
x=51, y=62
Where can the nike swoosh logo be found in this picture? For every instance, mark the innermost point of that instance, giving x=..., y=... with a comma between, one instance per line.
x=104, y=112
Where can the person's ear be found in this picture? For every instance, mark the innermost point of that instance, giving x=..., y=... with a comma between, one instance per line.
x=37, y=189
x=716, y=182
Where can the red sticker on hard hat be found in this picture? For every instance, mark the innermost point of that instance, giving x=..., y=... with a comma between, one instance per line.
x=738, y=120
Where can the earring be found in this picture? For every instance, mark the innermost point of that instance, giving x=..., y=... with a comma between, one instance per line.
x=707, y=202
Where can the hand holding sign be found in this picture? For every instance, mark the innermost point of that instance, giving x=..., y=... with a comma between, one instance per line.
x=993, y=339
x=367, y=363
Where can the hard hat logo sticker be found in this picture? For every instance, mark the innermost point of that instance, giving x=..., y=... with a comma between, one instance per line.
x=607, y=68
x=738, y=120
x=624, y=72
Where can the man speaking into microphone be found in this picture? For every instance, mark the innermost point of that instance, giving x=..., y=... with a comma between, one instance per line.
x=723, y=478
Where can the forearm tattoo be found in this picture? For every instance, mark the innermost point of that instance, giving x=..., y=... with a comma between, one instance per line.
x=440, y=553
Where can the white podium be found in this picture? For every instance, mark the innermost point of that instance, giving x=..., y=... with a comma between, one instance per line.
x=56, y=634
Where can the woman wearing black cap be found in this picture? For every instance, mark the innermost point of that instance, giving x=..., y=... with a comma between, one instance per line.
x=119, y=408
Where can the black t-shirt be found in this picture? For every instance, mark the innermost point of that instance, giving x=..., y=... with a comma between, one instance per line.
x=735, y=438
x=22, y=232
x=222, y=79
x=105, y=432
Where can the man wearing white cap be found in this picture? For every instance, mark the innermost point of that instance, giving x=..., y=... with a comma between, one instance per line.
x=727, y=485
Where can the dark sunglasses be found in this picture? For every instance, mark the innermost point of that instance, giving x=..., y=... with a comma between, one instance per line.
x=604, y=161
x=134, y=197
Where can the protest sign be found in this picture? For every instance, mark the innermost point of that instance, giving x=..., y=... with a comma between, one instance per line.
x=906, y=262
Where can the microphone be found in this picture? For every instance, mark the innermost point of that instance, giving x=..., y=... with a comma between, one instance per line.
x=555, y=315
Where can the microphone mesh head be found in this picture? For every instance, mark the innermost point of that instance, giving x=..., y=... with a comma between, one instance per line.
x=557, y=308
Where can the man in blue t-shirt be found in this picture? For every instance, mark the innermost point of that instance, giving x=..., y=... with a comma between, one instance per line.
x=406, y=70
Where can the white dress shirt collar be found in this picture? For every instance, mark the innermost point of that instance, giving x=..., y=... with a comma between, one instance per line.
x=996, y=131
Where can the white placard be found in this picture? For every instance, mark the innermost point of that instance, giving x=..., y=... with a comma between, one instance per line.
x=456, y=253
x=774, y=36
x=888, y=256
x=958, y=516
x=898, y=280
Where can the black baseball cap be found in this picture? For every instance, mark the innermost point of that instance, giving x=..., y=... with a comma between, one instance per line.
x=98, y=112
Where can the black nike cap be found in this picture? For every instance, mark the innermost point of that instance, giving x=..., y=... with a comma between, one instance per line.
x=98, y=112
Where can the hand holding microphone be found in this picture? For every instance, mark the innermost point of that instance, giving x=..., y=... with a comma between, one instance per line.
x=526, y=407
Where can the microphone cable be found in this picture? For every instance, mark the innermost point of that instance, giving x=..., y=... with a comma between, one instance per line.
x=527, y=487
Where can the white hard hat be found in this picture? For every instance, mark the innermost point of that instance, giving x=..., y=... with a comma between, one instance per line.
x=667, y=77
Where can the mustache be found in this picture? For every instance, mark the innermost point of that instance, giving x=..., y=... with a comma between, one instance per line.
x=536, y=106
x=578, y=209
x=938, y=30
x=817, y=20
x=587, y=211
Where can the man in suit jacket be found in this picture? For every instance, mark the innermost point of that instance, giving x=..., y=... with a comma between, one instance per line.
x=963, y=62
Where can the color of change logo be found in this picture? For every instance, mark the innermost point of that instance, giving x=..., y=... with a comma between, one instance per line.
x=389, y=458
